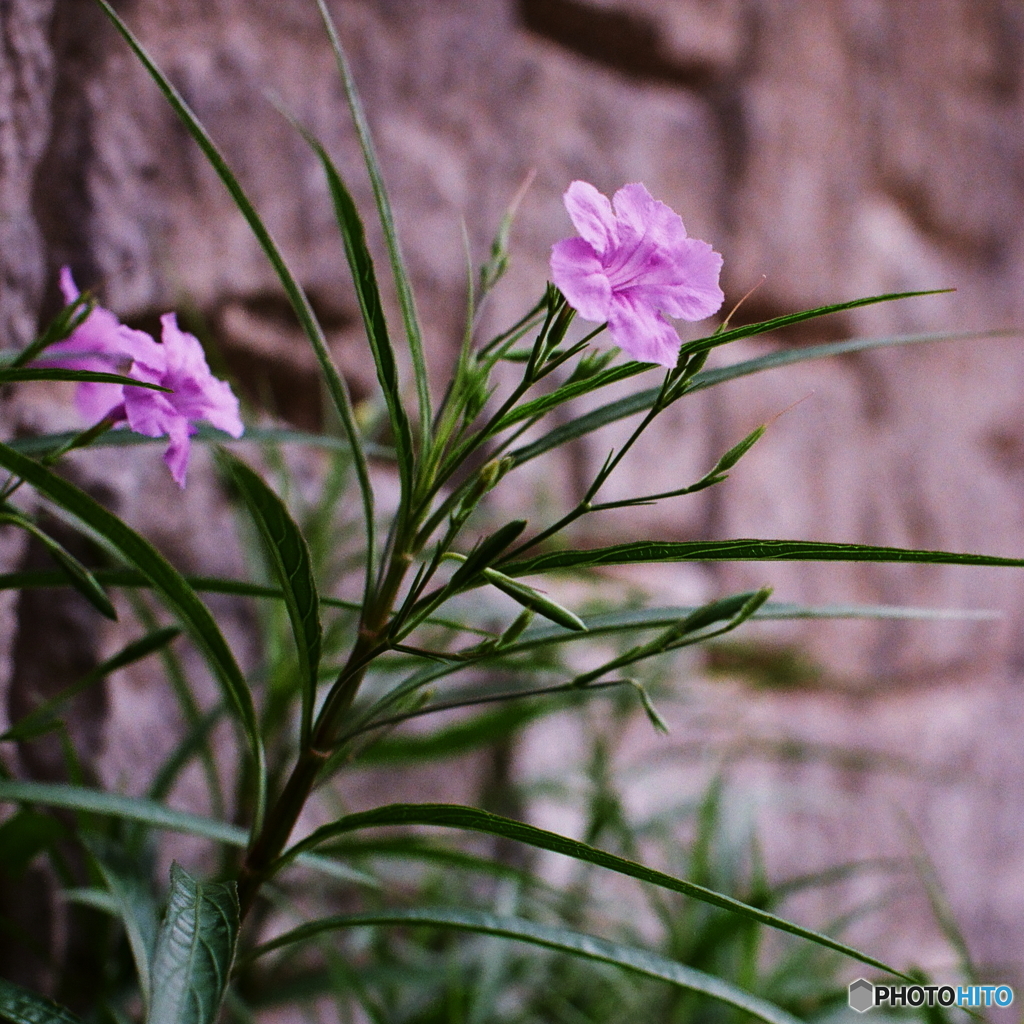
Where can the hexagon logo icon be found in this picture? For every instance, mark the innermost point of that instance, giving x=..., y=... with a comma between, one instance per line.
x=862, y=995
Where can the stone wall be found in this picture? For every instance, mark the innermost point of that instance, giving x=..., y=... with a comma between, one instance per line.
x=837, y=147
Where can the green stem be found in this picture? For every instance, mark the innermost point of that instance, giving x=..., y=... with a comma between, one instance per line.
x=280, y=821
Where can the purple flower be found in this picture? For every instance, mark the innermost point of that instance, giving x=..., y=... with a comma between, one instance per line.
x=100, y=343
x=179, y=364
x=633, y=266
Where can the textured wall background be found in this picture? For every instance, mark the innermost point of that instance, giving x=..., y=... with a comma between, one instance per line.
x=839, y=147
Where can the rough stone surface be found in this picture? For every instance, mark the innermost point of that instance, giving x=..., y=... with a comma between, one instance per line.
x=838, y=147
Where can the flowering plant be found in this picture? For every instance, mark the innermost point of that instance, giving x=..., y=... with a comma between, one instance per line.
x=351, y=673
x=189, y=393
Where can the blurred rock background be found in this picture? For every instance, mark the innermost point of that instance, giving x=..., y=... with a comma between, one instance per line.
x=837, y=147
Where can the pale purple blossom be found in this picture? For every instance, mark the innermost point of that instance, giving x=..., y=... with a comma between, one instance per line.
x=196, y=395
x=100, y=343
x=633, y=266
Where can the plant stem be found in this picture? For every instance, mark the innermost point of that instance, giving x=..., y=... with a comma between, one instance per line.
x=267, y=846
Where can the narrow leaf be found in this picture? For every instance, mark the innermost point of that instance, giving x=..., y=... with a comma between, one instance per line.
x=778, y=322
x=20, y=1006
x=166, y=580
x=296, y=296
x=803, y=354
x=19, y=375
x=76, y=574
x=43, y=444
x=290, y=560
x=40, y=718
x=640, y=402
x=534, y=600
x=567, y=392
x=486, y=552
x=737, y=451
x=135, y=906
x=589, y=947
x=365, y=279
x=471, y=819
x=156, y=815
x=194, y=951
x=387, y=222
x=73, y=315
x=743, y=550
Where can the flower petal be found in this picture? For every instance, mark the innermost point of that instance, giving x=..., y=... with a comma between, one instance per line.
x=178, y=451
x=68, y=287
x=641, y=332
x=94, y=400
x=643, y=215
x=578, y=272
x=591, y=215
x=685, y=285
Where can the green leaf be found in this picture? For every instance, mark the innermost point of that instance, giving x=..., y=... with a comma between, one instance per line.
x=453, y=740
x=194, y=951
x=156, y=815
x=76, y=574
x=805, y=353
x=296, y=296
x=729, y=459
x=569, y=391
x=534, y=600
x=290, y=560
x=365, y=279
x=41, y=718
x=387, y=222
x=30, y=373
x=471, y=819
x=590, y=947
x=166, y=580
x=73, y=315
x=134, y=904
x=45, y=443
x=486, y=552
x=778, y=322
x=640, y=402
x=694, y=628
x=743, y=550
x=20, y=1006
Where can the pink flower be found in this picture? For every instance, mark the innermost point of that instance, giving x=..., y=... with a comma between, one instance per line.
x=179, y=364
x=632, y=267
x=100, y=343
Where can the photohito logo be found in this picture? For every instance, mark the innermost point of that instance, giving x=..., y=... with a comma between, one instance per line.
x=863, y=995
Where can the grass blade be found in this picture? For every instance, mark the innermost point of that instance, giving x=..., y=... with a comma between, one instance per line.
x=590, y=947
x=168, y=582
x=743, y=550
x=296, y=296
x=290, y=560
x=387, y=221
x=474, y=820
